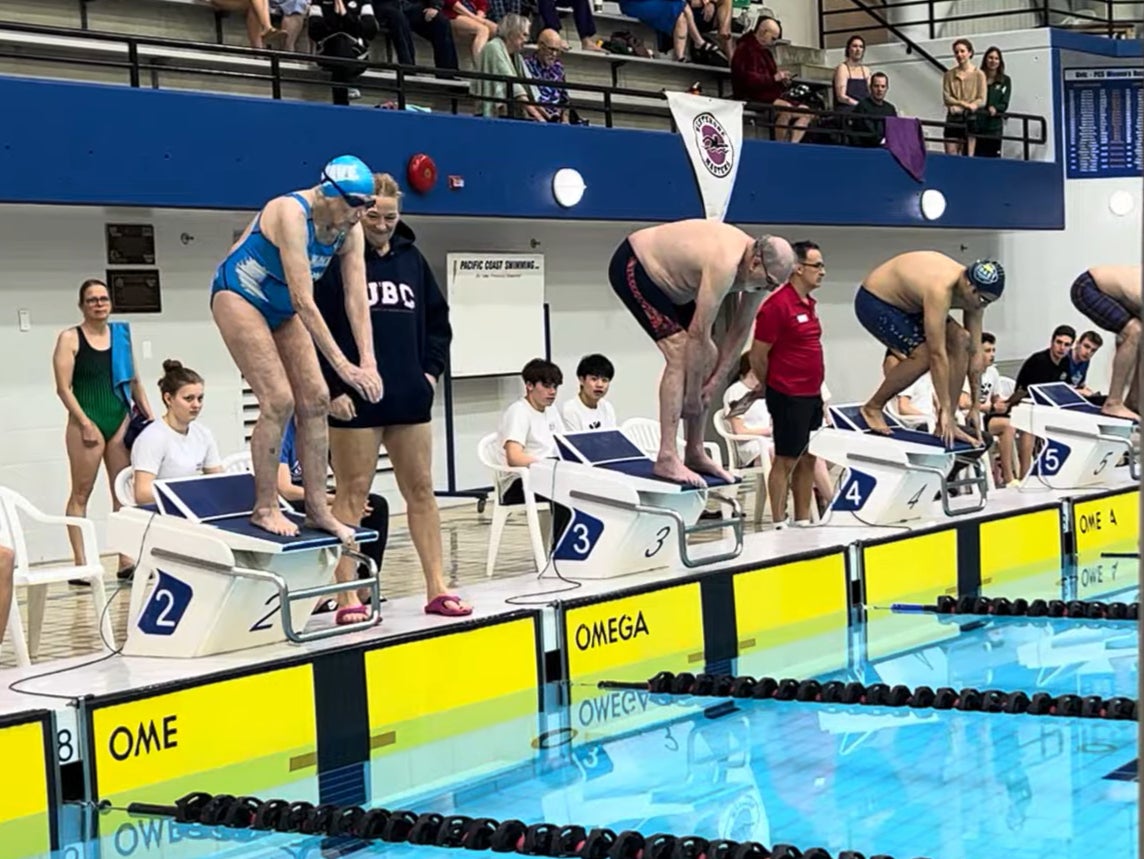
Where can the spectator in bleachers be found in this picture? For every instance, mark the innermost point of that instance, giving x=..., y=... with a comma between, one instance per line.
x=713, y=16
x=851, y=77
x=342, y=32
x=1079, y=358
x=403, y=18
x=671, y=18
x=963, y=91
x=756, y=77
x=471, y=23
x=545, y=65
x=502, y=56
x=581, y=14
x=588, y=410
x=259, y=29
x=293, y=13
x=176, y=445
x=867, y=118
x=994, y=407
x=990, y=119
x=7, y=572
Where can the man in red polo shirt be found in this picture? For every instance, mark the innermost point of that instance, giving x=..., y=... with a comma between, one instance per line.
x=787, y=357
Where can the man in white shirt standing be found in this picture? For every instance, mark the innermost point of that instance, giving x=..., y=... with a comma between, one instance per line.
x=588, y=410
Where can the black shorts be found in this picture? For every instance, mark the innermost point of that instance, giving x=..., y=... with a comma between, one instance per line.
x=407, y=398
x=1105, y=311
x=657, y=314
x=793, y=419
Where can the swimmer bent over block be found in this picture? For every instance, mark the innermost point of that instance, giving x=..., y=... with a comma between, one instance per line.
x=1109, y=295
x=905, y=304
x=262, y=300
x=674, y=278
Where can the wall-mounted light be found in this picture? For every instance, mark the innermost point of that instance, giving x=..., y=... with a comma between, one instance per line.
x=1121, y=203
x=568, y=187
x=933, y=204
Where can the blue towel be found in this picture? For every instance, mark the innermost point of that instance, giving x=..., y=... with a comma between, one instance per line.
x=122, y=362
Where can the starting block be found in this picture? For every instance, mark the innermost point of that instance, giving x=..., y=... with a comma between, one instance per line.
x=1081, y=445
x=209, y=581
x=897, y=477
x=625, y=519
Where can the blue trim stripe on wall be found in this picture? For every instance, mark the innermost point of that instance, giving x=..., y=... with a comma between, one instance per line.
x=108, y=145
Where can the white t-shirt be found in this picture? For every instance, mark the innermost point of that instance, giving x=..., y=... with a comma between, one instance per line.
x=755, y=417
x=529, y=428
x=161, y=451
x=990, y=382
x=578, y=416
x=921, y=397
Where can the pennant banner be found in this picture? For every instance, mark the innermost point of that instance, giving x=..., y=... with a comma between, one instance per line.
x=712, y=130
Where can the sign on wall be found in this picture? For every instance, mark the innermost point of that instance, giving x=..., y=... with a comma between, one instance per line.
x=1103, y=108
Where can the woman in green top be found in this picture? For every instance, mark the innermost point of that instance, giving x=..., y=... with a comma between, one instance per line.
x=990, y=119
x=97, y=416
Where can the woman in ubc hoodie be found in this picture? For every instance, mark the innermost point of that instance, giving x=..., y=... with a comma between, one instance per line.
x=411, y=336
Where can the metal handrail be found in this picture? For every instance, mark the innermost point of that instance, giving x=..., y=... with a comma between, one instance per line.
x=407, y=80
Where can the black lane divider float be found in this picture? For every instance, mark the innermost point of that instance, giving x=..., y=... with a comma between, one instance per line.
x=458, y=831
x=882, y=695
x=1004, y=607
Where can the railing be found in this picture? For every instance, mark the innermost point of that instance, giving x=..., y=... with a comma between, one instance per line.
x=924, y=13
x=279, y=70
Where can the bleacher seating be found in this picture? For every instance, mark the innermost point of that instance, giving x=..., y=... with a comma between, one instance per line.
x=195, y=66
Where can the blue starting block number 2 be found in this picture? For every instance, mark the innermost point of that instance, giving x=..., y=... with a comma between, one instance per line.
x=166, y=607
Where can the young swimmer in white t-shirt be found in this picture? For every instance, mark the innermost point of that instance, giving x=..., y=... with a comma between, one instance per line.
x=756, y=421
x=175, y=445
x=527, y=426
x=994, y=408
x=588, y=410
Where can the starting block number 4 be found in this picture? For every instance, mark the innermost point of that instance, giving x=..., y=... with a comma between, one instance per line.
x=855, y=492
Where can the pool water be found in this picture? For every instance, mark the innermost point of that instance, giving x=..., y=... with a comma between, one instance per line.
x=896, y=781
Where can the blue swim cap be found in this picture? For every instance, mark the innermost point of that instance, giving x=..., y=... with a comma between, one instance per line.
x=346, y=175
x=988, y=277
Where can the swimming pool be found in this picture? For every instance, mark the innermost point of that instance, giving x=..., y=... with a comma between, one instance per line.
x=901, y=782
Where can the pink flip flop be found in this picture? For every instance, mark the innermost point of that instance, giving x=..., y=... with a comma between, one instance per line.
x=438, y=605
x=348, y=610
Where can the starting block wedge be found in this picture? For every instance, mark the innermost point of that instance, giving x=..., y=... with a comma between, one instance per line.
x=1082, y=446
x=209, y=581
x=900, y=477
x=625, y=519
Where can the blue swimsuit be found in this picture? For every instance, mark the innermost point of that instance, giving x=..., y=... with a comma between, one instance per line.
x=254, y=269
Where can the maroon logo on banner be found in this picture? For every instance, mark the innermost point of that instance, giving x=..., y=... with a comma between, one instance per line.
x=715, y=150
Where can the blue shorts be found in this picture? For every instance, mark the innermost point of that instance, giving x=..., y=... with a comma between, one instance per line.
x=893, y=327
x=1105, y=311
x=275, y=312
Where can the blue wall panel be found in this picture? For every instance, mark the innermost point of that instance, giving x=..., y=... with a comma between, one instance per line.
x=92, y=144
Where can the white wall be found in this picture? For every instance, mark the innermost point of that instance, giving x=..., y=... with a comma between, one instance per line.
x=915, y=85
x=49, y=251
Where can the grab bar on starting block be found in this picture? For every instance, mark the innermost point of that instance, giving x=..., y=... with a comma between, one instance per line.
x=682, y=529
x=975, y=463
x=287, y=596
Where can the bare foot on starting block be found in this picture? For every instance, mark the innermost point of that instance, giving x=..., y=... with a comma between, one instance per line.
x=274, y=521
x=675, y=470
x=325, y=521
x=1119, y=410
x=874, y=419
x=706, y=465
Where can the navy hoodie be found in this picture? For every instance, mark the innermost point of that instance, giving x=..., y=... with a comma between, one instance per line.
x=411, y=331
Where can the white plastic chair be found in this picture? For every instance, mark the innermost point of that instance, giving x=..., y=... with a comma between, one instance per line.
x=644, y=434
x=36, y=579
x=488, y=452
x=125, y=487
x=761, y=472
x=238, y=463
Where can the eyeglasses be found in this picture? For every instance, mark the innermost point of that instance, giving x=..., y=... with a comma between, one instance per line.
x=818, y=265
x=355, y=201
x=97, y=299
